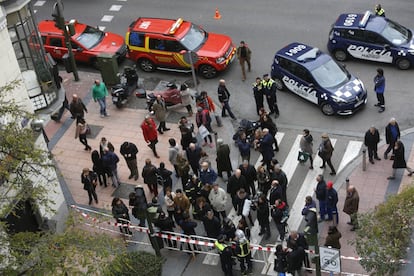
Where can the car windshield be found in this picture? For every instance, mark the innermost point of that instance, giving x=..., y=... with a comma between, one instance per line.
x=90, y=37
x=330, y=75
x=194, y=38
x=395, y=33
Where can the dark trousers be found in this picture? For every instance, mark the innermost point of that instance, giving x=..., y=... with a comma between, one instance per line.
x=281, y=228
x=153, y=188
x=259, y=103
x=245, y=260
x=195, y=167
x=65, y=105
x=390, y=147
x=184, y=179
x=102, y=179
x=84, y=141
x=92, y=193
x=332, y=211
x=162, y=126
x=372, y=152
x=152, y=146
x=329, y=162
x=322, y=209
x=381, y=100
x=218, y=213
x=226, y=106
x=234, y=201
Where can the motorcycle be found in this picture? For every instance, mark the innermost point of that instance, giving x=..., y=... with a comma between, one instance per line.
x=171, y=94
x=128, y=84
x=248, y=128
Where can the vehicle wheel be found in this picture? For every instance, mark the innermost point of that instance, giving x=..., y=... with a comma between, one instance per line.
x=340, y=55
x=208, y=71
x=327, y=109
x=146, y=65
x=279, y=84
x=94, y=63
x=118, y=104
x=403, y=64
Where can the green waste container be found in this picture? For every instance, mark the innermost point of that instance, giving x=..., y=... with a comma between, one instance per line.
x=108, y=65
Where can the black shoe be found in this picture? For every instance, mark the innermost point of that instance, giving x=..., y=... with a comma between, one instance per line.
x=354, y=228
x=381, y=110
x=322, y=167
x=377, y=104
x=410, y=174
x=136, y=177
x=371, y=161
x=349, y=223
x=390, y=177
x=90, y=202
x=167, y=129
x=96, y=201
x=377, y=158
x=224, y=116
x=130, y=176
x=271, y=112
x=332, y=173
x=311, y=168
x=160, y=132
x=261, y=233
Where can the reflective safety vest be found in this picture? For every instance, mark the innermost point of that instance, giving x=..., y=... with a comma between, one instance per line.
x=220, y=246
x=380, y=12
x=268, y=84
x=244, y=249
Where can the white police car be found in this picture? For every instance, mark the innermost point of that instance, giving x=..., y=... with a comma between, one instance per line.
x=370, y=37
x=315, y=76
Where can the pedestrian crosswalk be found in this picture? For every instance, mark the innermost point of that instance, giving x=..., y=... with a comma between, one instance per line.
x=346, y=150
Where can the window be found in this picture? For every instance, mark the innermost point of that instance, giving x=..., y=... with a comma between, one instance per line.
x=374, y=38
x=303, y=74
x=157, y=44
x=136, y=39
x=357, y=35
x=55, y=42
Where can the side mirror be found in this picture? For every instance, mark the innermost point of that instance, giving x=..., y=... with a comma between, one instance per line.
x=387, y=46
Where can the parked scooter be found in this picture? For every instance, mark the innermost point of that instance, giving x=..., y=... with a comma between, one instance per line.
x=128, y=83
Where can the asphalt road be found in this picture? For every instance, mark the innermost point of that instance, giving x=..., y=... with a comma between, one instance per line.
x=267, y=26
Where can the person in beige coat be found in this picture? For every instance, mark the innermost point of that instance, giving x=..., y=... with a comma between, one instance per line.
x=218, y=199
x=160, y=110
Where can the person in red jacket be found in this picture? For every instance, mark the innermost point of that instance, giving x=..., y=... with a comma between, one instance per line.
x=149, y=130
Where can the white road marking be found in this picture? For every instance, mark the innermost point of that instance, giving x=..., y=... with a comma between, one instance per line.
x=291, y=161
x=39, y=3
x=352, y=151
x=115, y=7
x=102, y=28
x=107, y=18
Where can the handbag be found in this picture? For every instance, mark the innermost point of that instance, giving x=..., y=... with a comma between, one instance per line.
x=203, y=131
x=303, y=156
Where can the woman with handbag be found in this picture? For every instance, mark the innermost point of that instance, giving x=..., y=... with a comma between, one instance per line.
x=89, y=180
x=82, y=129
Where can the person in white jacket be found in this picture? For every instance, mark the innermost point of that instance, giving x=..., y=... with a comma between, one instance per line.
x=218, y=200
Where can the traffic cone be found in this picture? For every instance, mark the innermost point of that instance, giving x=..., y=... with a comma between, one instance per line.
x=217, y=15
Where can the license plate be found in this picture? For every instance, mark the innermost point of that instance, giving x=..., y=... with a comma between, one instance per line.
x=115, y=99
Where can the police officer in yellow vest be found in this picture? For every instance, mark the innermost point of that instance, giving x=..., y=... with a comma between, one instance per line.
x=226, y=255
x=379, y=11
x=243, y=252
x=269, y=90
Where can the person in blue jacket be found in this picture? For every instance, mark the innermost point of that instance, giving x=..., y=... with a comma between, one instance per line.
x=379, y=88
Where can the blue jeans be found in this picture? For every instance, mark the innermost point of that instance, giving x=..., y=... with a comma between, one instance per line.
x=102, y=104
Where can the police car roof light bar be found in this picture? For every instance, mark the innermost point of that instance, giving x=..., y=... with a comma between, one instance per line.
x=364, y=19
x=312, y=54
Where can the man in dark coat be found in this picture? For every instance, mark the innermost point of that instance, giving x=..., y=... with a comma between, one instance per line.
x=331, y=201
x=207, y=174
x=266, y=147
x=371, y=141
x=149, y=174
x=249, y=172
x=193, y=156
x=262, y=207
x=392, y=134
x=212, y=225
x=351, y=206
x=129, y=152
x=301, y=241
x=235, y=183
x=77, y=108
x=279, y=175
x=166, y=224
x=295, y=258
x=320, y=192
x=275, y=192
x=223, y=159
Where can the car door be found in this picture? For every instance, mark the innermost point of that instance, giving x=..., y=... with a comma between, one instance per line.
x=160, y=53
x=80, y=53
x=368, y=45
x=55, y=45
x=297, y=79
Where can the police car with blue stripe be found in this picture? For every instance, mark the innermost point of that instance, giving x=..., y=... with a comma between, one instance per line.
x=315, y=76
x=370, y=37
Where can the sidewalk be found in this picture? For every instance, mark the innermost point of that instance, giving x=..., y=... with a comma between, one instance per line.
x=124, y=125
x=373, y=188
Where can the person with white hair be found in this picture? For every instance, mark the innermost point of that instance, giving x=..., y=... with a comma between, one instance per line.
x=224, y=97
x=243, y=252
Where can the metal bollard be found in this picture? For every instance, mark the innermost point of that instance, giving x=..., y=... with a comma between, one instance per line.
x=364, y=160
